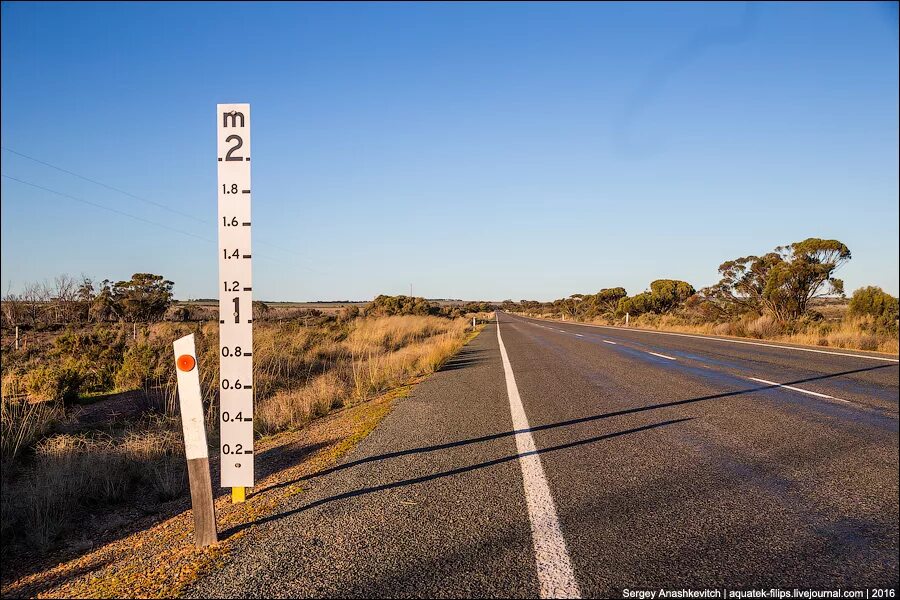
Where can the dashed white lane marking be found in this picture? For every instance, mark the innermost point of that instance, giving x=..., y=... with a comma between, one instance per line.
x=796, y=389
x=609, y=342
x=578, y=335
x=556, y=578
x=731, y=341
x=660, y=355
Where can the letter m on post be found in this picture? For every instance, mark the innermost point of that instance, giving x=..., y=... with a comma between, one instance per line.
x=233, y=115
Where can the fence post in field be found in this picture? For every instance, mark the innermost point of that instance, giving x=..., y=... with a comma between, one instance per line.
x=195, y=448
x=17, y=337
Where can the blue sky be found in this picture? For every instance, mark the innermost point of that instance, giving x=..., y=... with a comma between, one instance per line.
x=479, y=151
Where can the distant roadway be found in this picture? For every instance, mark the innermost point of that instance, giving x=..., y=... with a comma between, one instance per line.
x=557, y=459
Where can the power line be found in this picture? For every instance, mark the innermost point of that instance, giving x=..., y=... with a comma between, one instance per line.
x=137, y=218
x=107, y=208
x=136, y=197
x=109, y=187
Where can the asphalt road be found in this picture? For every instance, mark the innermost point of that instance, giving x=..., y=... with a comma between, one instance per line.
x=645, y=461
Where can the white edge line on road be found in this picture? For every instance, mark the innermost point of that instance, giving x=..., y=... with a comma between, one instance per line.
x=719, y=339
x=554, y=568
x=660, y=355
x=796, y=389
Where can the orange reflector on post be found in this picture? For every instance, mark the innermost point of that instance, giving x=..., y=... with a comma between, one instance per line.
x=186, y=362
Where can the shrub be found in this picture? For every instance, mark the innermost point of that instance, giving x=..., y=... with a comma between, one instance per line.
x=400, y=305
x=94, y=355
x=52, y=383
x=138, y=366
x=765, y=327
x=668, y=294
x=636, y=305
x=732, y=328
x=874, y=302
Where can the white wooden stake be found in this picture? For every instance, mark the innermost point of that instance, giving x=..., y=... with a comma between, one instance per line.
x=190, y=402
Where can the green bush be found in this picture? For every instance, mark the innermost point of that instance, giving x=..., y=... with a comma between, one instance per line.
x=665, y=295
x=138, y=366
x=386, y=306
x=874, y=302
x=636, y=305
x=53, y=383
x=96, y=356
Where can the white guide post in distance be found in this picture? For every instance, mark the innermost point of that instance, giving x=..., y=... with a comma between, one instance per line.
x=235, y=296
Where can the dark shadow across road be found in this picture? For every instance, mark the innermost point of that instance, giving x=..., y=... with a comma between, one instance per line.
x=466, y=358
x=618, y=413
x=449, y=473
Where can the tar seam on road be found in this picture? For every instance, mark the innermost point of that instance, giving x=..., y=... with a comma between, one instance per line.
x=554, y=568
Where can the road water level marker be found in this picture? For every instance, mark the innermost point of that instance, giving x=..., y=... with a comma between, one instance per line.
x=190, y=403
x=235, y=299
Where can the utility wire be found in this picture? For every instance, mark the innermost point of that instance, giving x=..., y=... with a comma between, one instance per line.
x=142, y=219
x=109, y=187
x=157, y=204
x=107, y=208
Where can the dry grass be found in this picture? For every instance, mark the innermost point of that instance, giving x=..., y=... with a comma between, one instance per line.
x=313, y=377
x=393, y=333
x=71, y=474
x=291, y=409
x=159, y=560
x=301, y=374
x=851, y=333
x=23, y=423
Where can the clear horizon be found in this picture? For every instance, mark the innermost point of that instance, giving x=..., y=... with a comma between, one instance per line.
x=475, y=151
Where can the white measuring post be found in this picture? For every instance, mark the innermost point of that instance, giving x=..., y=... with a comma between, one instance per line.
x=235, y=299
x=190, y=402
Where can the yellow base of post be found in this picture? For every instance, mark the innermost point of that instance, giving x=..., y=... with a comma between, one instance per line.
x=238, y=495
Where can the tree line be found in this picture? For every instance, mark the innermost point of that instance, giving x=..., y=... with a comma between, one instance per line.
x=145, y=297
x=148, y=298
x=384, y=305
x=781, y=283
